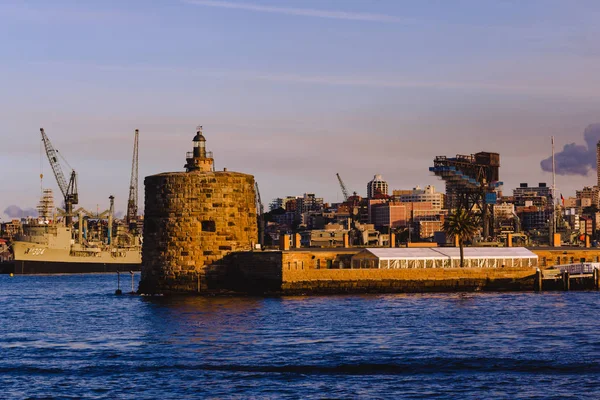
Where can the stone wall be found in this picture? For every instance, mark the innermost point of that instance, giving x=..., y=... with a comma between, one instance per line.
x=406, y=280
x=566, y=255
x=194, y=219
x=315, y=272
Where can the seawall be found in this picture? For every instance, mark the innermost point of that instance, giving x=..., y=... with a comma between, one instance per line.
x=326, y=272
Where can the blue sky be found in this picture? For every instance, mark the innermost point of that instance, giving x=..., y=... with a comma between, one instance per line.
x=292, y=92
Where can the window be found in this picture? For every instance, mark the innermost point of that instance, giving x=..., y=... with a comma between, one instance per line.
x=208, y=226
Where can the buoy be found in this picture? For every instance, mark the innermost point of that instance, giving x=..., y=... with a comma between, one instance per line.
x=11, y=274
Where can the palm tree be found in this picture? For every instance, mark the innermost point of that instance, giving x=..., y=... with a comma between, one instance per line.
x=463, y=225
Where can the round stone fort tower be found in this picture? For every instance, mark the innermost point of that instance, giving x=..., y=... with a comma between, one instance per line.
x=193, y=219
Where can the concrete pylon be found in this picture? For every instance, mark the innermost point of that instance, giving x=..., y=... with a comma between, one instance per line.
x=297, y=242
x=556, y=240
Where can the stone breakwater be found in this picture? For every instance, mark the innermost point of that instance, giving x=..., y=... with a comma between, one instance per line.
x=192, y=220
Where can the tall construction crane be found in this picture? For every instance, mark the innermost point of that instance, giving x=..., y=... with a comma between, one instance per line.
x=132, y=203
x=68, y=190
x=260, y=210
x=344, y=190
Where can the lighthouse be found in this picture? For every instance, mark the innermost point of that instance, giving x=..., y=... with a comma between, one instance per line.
x=199, y=159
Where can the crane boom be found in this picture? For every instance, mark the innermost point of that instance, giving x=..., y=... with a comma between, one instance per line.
x=68, y=190
x=261, y=218
x=53, y=158
x=344, y=190
x=132, y=202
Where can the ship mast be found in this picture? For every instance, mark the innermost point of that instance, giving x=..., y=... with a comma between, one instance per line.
x=553, y=193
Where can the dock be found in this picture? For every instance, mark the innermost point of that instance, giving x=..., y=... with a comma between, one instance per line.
x=575, y=276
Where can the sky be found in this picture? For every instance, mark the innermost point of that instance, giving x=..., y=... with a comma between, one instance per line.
x=294, y=91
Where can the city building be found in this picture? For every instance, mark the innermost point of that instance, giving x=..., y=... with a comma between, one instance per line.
x=418, y=195
x=309, y=202
x=280, y=202
x=539, y=196
x=377, y=188
x=590, y=193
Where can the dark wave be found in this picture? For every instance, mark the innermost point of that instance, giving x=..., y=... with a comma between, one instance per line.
x=422, y=366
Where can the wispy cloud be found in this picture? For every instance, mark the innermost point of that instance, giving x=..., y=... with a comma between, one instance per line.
x=517, y=85
x=303, y=12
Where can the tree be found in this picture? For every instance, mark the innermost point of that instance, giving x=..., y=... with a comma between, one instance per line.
x=463, y=225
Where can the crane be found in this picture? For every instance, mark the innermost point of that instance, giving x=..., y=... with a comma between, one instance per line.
x=344, y=190
x=261, y=218
x=68, y=190
x=132, y=203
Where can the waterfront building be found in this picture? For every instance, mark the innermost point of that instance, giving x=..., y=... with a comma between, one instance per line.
x=377, y=187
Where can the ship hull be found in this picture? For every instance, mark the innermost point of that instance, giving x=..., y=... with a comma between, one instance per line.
x=28, y=267
x=35, y=258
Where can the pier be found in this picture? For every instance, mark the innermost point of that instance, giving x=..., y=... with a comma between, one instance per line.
x=576, y=276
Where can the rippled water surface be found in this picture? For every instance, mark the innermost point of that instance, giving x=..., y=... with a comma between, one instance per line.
x=69, y=336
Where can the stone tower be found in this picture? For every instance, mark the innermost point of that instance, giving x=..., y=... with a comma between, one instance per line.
x=193, y=219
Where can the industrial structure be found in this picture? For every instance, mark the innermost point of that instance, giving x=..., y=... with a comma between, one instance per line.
x=260, y=211
x=68, y=190
x=132, y=202
x=472, y=182
x=343, y=187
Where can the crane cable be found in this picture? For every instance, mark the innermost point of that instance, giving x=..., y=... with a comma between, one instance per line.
x=66, y=162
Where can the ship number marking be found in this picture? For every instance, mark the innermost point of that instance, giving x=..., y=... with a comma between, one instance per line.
x=35, y=251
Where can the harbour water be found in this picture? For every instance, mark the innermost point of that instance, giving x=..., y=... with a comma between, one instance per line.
x=69, y=336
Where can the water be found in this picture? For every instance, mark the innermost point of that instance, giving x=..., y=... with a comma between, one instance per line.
x=69, y=336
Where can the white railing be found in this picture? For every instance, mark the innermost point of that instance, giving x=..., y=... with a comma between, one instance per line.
x=578, y=268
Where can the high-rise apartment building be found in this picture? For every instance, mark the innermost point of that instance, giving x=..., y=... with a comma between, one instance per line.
x=377, y=187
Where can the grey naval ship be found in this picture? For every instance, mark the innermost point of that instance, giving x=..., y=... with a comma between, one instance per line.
x=48, y=244
x=49, y=248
